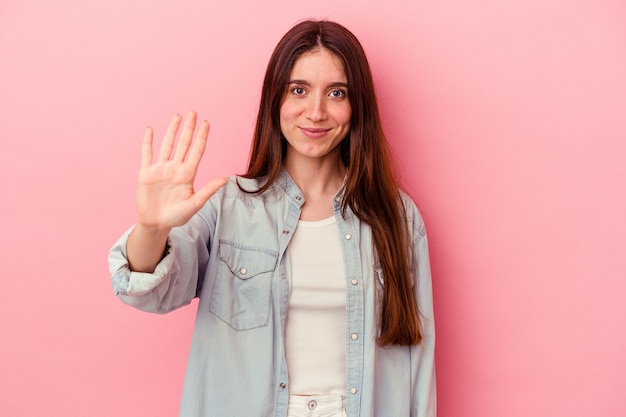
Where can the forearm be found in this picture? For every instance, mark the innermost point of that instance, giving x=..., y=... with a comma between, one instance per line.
x=145, y=248
x=174, y=281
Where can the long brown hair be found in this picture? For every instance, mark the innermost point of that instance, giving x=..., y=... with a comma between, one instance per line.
x=371, y=189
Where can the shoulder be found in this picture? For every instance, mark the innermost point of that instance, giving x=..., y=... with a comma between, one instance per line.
x=244, y=190
x=413, y=215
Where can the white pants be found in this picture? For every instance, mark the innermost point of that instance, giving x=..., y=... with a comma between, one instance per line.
x=328, y=405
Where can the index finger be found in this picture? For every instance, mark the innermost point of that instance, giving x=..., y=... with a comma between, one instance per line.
x=199, y=144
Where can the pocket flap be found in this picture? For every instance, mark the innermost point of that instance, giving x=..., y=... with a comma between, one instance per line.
x=246, y=262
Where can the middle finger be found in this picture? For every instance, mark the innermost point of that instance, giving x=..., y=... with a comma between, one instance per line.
x=185, y=137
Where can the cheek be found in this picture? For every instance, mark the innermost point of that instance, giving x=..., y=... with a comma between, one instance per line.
x=283, y=115
x=345, y=116
x=287, y=116
x=288, y=112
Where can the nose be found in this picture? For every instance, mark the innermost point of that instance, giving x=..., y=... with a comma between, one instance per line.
x=316, y=109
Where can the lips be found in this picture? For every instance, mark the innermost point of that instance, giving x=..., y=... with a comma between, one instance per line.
x=313, y=132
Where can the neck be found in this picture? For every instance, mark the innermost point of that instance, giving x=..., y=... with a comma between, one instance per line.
x=317, y=177
x=319, y=180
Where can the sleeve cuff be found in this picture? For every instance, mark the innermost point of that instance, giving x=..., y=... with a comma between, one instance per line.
x=132, y=283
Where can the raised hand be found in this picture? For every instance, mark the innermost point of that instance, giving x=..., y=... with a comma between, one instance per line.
x=165, y=193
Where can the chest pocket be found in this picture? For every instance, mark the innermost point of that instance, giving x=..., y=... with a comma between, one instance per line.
x=242, y=291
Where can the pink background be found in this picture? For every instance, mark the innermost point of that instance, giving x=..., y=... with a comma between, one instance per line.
x=508, y=119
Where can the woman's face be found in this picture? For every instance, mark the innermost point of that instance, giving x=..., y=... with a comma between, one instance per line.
x=315, y=113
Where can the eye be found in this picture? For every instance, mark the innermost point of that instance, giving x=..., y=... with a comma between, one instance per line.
x=299, y=91
x=338, y=94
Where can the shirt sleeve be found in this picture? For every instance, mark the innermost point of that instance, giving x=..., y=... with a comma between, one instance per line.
x=177, y=278
x=424, y=401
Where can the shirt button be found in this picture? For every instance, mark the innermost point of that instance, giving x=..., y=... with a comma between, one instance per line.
x=354, y=336
x=285, y=232
x=352, y=390
x=348, y=236
x=283, y=276
x=312, y=405
x=298, y=198
x=243, y=271
x=354, y=281
x=282, y=385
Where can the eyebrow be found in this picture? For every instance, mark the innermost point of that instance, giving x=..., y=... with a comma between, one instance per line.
x=334, y=84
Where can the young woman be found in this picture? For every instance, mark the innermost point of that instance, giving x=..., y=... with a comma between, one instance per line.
x=311, y=269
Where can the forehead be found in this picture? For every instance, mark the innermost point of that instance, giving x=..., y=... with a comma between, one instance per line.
x=318, y=64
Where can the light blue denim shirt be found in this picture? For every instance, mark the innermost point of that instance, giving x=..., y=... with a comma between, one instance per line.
x=231, y=255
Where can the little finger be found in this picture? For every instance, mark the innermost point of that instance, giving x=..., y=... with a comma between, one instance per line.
x=146, y=148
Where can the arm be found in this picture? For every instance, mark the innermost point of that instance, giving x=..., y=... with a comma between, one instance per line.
x=176, y=278
x=165, y=194
x=155, y=266
x=424, y=391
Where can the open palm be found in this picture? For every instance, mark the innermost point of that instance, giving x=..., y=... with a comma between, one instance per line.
x=165, y=193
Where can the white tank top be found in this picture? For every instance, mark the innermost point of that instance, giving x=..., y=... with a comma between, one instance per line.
x=315, y=328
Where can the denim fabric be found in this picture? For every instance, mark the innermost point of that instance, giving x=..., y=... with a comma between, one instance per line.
x=231, y=255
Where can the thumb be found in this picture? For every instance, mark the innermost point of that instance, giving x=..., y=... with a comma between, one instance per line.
x=203, y=194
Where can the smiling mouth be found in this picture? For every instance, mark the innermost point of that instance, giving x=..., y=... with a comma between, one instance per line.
x=314, y=132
